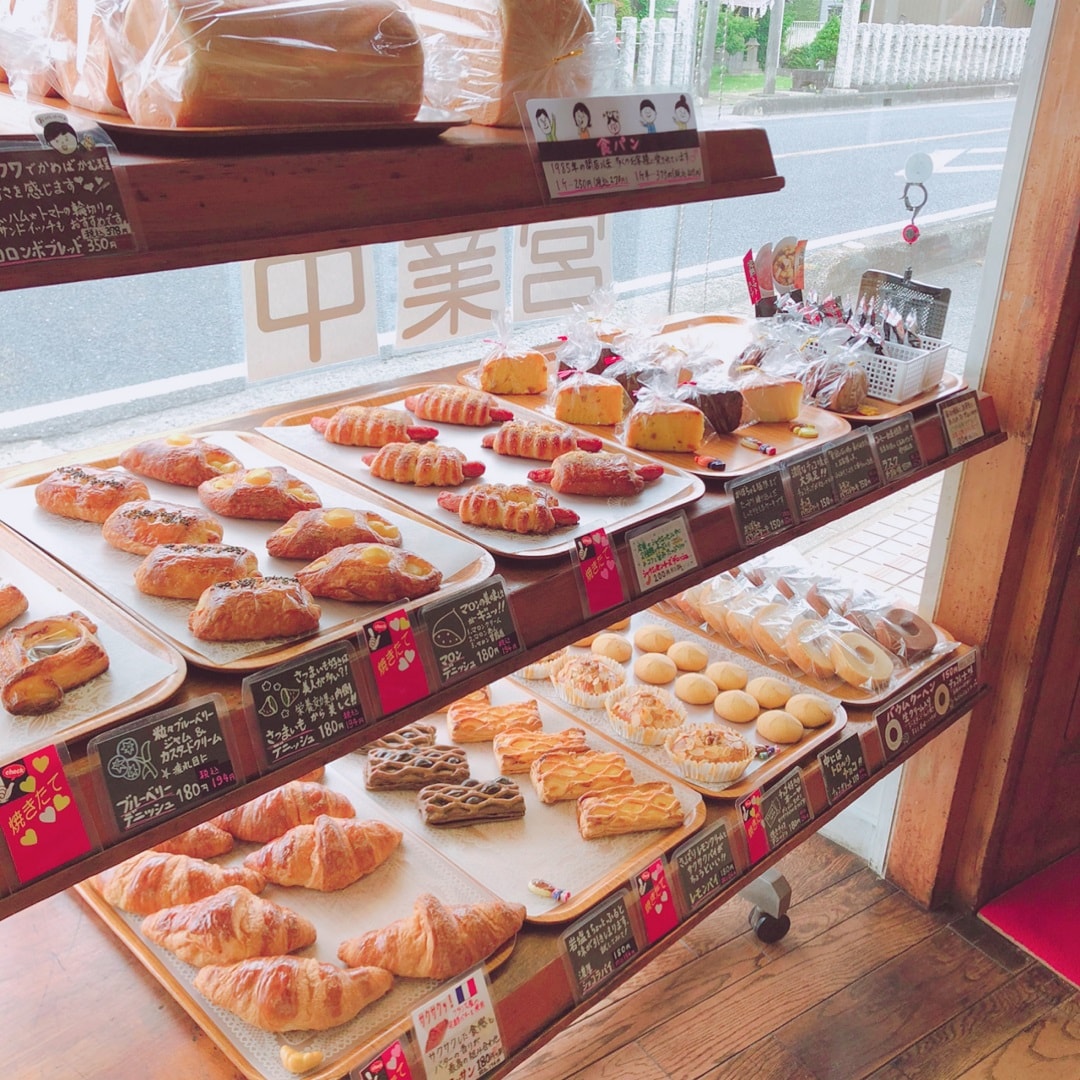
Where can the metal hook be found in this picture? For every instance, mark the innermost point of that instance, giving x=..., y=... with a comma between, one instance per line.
x=913, y=209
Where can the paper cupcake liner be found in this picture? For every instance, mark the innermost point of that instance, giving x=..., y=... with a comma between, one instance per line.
x=644, y=734
x=542, y=668
x=575, y=695
x=708, y=772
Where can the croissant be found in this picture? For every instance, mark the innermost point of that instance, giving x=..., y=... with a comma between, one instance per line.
x=140, y=526
x=370, y=425
x=370, y=573
x=154, y=880
x=311, y=533
x=457, y=405
x=87, y=493
x=326, y=855
x=537, y=439
x=202, y=841
x=267, y=494
x=422, y=464
x=512, y=507
x=269, y=816
x=179, y=459
x=13, y=602
x=436, y=941
x=228, y=926
x=287, y=993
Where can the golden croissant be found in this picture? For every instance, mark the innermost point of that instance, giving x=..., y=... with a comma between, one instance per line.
x=436, y=941
x=287, y=993
x=202, y=841
x=326, y=855
x=271, y=815
x=231, y=925
x=154, y=880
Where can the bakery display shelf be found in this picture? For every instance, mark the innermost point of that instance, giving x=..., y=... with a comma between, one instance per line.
x=144, y=669
x=673, y=489
x=79, y=545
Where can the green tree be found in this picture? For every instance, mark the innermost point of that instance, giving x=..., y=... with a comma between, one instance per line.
x=823, y=47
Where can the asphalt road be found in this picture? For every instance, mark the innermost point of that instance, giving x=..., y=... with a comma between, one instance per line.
x=844, y=182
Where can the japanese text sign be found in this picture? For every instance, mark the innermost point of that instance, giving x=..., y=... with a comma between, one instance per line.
x=457, y=1032
x=399, y=673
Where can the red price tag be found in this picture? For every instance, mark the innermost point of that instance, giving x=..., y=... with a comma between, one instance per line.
x=599, y=571
x=42, y=825
x=399, y=674
x=656, y=901
x=757, y=839
x=391, y=1064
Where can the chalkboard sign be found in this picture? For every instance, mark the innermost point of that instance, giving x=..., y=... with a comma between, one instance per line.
x=853, y=466
x=599, y=944
x=774, y=815
x=761, y=506
x=474, y=629
x=926, y=704
x=162, y=765
x=704, y=865
x=308, y=702
x=897, y=448
x=60, y=203
x=812, y=485
x=843, y=767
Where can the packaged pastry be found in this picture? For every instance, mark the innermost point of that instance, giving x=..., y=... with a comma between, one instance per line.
x=633, y=808
x=591, y=400
x=709, y=753
x=586, y=680
x=643, y=714
x=661, y=423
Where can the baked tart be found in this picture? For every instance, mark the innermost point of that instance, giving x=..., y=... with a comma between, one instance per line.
x=370, y=573
x=265, y=494
x=179, y=459
x=309, y=534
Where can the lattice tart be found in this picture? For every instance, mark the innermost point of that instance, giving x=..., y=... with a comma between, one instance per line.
x=477, y=722
x=517, y=749
x=415, y=767
x=560, y=775
x=470, y=802
x=631, y=808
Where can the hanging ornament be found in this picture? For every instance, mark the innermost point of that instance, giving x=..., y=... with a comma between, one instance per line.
x=917, y=171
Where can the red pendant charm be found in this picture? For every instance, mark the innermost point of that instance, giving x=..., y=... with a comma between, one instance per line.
x=910, y=233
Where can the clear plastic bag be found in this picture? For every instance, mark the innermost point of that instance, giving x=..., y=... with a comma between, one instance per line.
x=25, y=48
x=82, y=69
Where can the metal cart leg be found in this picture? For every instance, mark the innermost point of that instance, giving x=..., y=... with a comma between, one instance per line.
x=770, y=895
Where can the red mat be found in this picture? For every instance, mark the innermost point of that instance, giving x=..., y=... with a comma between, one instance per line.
x=1042, y=916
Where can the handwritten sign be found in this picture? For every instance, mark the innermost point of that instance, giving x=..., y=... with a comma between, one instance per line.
x=599, y=571
x=389, y=1064
x=599, y=944
x=704, y=865
x=812, y=486
x=897, y=448
x=843, y=767
x=474, y=629
x=661, y=552
x=962, y=421
x=656, y=901
x=40, y=820
x=853, y=466
x=395, y=661
x=456, y=1031
x=161, y=765
x=761, y=507
x=926, y=704
x=309, y=702
x=773, y=815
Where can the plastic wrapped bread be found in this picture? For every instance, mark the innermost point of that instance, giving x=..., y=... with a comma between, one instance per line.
x=235, y=63
x=25, y=49
x=483, y=52
x=82, y=70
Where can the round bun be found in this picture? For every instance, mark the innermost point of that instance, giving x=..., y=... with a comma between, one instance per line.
x=810, y=710
x=689, y=656
x=769, y=693
x=736, y=705
x=695, y=688
x=653, y=639
x=778, y=726
x=728, y=675
x=613, y=646
x=655, y=668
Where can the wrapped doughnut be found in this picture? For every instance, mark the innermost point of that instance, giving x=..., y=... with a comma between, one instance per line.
x=905, y=634
x=859, y=660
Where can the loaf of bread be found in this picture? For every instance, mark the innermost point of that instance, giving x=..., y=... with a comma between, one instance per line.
x=187, y=63
x=81, y=68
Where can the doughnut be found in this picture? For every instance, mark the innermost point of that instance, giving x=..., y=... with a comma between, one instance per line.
x=768, y=630
x=737, y=706
x=810, y=710
x=808, y=647
x=653, y=639
x=859, y=660
x=689, y=656
x=727, y=675
x=906, y=634
x=778, y=726
x=768, y=692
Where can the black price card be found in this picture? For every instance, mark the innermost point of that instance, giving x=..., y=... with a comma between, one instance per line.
x=599, y=944
x=843, y=767
x=308, y=702
x=661, y=552
x=771, y=816
x=474, y=629
x=761, y=506
x=906, y=719
x=161, y=765
x=704, y=865
x=812, y=485
x=962, y=421
x=60, y=201
x=897, y=448
x=853, y=466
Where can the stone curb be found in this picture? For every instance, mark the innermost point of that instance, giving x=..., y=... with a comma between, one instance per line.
x=791, y=101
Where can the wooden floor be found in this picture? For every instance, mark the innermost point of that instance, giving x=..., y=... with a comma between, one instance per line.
x=865, y=984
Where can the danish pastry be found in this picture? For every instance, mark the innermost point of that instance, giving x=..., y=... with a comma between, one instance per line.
x=311, y=533
x=179, y=459
x=511, y=507
x=13, y=602
x=410, y=768
x=254, y=609
x=266, y=494
x=185, y=571
x=481, y=723
x=516, y=749
x=407, y=737
x=140, y=526
x=370, y=573
x=560, y=775
x=422, y=464
x=370, y=425
x=581, y=472
x=540, y=440
x=87, y=493
x=457, y=405
x=42, y=659
x=470, y=802
x=632, y=808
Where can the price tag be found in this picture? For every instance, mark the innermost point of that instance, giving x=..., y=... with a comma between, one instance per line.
x=843, y=767
x=599, y=145
x=308, y=702
x=457, y=1032
x=661, y=552
x=812, y=485
x=599, y=944
x=962, y=421
x=395, y=662
x=704, y=865
x=474, y=629
x=41, y=823
x=897, y=448
x=61, y=201
x=391, y=1064
x=761, y=506
x=771, y=816
x=599, y=571
x=161, y=765
x=906, y=719
x=853, y=466
x=656, y=900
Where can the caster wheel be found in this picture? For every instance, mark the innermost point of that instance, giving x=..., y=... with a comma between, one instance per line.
x=767, y=927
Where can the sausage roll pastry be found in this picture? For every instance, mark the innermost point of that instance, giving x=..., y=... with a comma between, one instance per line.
x=179, y=459
x=457, y=405
x=87, y=493
x=581, y=472
x=265, y=494
x=540, y=440
x=513, y=507
x=422, y=464
x=370, y=425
